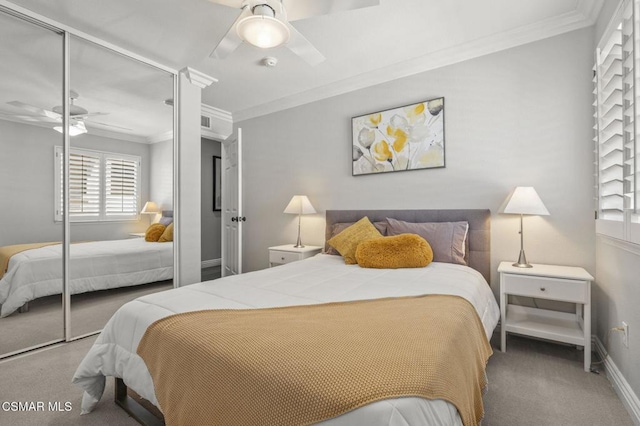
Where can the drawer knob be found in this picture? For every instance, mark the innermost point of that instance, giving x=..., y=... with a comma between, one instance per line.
x=542, y=288
x=282, y=258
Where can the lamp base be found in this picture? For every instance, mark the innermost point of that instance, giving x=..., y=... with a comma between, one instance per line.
x=298, y=246
x=522, y=261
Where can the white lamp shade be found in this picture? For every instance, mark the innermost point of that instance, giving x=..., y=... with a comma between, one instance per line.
x=299, y=204
x=525, y=200
x=263, y=31
x=150, y=208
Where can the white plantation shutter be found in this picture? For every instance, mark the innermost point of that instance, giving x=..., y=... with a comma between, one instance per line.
x=121, y=187
x=617, y=82
x=102, y=186
x=84, y=185
x=609, y=128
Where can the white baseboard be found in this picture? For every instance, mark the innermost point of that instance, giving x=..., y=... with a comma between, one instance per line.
x=211, y=262
x=625, y=393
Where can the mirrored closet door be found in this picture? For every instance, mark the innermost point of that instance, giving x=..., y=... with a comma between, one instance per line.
x=31, y=95
x=120, y=183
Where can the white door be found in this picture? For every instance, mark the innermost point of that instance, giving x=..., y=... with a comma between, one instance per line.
x=232, y=205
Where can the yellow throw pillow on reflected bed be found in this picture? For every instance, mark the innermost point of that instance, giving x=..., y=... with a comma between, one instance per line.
x=167, y=235
x=154, y=232
x=399, y=251
x=347, y=241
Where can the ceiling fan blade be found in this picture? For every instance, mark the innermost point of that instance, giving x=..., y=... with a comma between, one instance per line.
x=43, y=112
x=231, y=40
x=302, y=9
x=236, y=4
x=303, y=47
x=90, y=114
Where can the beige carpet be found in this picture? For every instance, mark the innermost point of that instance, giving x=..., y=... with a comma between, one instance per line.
x=533, y=383
x=89, y=312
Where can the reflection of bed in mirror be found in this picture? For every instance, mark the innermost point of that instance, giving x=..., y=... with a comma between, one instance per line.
x=94, y=266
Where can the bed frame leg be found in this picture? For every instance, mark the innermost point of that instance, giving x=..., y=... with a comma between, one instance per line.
x=132, y=407
x=24, y=308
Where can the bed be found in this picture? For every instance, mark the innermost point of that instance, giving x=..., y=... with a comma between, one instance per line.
x=98, y=265
x=318, y=280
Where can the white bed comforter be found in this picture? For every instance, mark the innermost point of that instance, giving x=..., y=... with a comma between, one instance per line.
x=320, y=279
x=97, y=265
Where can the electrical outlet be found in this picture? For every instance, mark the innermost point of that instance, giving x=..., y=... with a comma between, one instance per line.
x=625, y=334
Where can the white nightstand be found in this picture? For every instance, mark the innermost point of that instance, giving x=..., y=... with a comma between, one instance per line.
x=136, y=235
x=561, y=283
x=279, y=255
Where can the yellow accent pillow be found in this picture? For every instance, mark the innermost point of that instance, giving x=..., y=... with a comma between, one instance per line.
x=167, y=235
x=347, y=241
x=399, y=251
x=154, y=232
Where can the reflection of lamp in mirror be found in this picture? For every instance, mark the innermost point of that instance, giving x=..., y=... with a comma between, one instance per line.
x=150, y=208
x=525, y=200
x=299, y=205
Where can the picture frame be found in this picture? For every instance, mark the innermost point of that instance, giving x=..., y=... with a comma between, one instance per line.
x=217, y=183
x=409, y=137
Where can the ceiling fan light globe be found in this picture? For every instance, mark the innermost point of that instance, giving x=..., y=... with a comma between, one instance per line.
x=74, y=129
x=263, y=31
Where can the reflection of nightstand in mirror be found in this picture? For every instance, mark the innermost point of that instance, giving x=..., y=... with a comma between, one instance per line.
x=279, y=255
x=136, y=235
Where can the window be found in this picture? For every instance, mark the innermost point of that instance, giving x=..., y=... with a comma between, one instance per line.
x=103, y=186
x=616, y=81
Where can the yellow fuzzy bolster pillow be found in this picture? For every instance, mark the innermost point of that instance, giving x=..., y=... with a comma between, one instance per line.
x=167, y=235
x=347, y=241
x=154, y=232
x=399, y=251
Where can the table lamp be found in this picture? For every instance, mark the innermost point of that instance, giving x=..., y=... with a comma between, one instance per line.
x=299, y=205
x=150, y=208
x=524, y=200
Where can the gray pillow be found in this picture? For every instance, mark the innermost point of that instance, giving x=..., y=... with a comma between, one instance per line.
x=166, y=221
x=341, y=226
x=447, y=239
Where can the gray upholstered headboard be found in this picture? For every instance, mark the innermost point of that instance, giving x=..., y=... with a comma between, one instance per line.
x=479, y=257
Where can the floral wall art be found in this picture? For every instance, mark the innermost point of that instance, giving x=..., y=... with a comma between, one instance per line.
x=404, y=138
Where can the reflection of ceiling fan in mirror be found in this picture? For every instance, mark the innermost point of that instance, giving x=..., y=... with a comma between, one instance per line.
x=266, y=24
x=78, y=115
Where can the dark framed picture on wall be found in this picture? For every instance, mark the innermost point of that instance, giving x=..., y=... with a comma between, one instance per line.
x=217, y=183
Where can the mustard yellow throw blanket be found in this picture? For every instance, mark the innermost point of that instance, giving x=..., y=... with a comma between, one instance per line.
x=303, y=364
x=7, y=251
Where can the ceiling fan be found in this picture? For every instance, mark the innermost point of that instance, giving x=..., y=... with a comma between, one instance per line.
x=77, y=115
x=266, y=24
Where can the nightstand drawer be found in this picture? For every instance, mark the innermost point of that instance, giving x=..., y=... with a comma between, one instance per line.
x=546, y=288
x=276, y=256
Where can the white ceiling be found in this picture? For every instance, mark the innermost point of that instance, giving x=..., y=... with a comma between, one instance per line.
x=362, y=47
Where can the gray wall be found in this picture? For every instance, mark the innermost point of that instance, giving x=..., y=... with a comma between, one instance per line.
x=518, y=117
x=211, y=221
x=161, y=173
x=27, y=185
x=617, y=290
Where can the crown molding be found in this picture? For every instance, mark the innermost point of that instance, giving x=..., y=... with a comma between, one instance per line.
x=583, y=16
x=198, y=78
x=590, y=9
x=92, y=130
x=217, y=113
x=160, y=137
